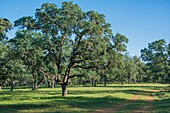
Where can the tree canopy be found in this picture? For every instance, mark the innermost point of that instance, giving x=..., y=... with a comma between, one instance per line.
x=66, y=45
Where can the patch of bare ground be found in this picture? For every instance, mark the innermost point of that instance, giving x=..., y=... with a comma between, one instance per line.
x=146, y=108
x=143, y=109
x=115, y=108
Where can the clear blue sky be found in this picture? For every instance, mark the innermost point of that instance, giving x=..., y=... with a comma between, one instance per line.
x=141, y=21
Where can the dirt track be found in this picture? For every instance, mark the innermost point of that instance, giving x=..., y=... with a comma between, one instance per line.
x=142, y=109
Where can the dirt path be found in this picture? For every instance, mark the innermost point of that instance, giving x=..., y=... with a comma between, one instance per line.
x=143, y=109
x=111, y=109
x=118, y=107
x=146, y=108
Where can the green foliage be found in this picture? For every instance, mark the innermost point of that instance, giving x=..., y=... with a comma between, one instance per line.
x=73, y=39
x=5, y=26
x=63, y=43
x=27, y=46
x=156, y=57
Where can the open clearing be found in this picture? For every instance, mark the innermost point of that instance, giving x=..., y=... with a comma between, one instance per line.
x=113, y=98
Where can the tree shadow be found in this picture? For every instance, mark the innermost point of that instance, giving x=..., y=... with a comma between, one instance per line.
x=52, y=103
x=143, y=87
x=15, y=108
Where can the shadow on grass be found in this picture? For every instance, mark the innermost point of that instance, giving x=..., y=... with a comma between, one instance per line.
x=143, y=87
x=51, y=103
x=162, y=106
x=14, y=108
x=62, y=104
x=59, y=104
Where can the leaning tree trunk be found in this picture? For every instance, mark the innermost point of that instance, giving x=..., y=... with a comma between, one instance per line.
x=64, y=89
x=2, y=83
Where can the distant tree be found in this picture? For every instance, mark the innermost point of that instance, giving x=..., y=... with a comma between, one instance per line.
x=156, y=57
x=3, y=63
x=117, y=64
x=14, y=70
x=135, y=69
x=140, y=68
x=5, y=26
x=168, y=63
x=27, y=45
x=130, y=69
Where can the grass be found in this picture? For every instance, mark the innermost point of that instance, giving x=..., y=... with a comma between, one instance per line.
x=85, y=99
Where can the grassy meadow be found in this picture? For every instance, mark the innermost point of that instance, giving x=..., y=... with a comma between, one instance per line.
x=80, y=99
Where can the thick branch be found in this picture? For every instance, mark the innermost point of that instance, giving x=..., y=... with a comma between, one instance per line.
x=2, y=82
x=40, y=81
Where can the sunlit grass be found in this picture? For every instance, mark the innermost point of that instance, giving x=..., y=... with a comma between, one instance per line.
x=83, y=99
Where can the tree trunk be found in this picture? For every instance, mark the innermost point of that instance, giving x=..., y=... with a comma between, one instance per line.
x=12, y=85
x=2, y=83
x=53, y=82
x=64, y=90
x=100, y=79
x=121, y=82
x=129, y=80
x=35, y=86
x=49, y=84
x=105, y=81
x=80, y=80
x=92, y=82
x=162, y=79
x=48, y=81
x=169, y=78
x=95, y=83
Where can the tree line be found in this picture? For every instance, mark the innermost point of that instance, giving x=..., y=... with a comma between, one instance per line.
x=65, y=45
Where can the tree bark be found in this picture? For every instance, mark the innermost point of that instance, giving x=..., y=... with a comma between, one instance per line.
x=100, y=79
x=121, y=82
x=12, y=85
x=92, y=82
x=49, y=84
x=105, y=81
x=162, y=79
x=95, y=83
x=2, y=83
x=129, y=79
x=80, y=80
x=35, y=86
x=64, y=90
x=53, y=82
x=169, y=78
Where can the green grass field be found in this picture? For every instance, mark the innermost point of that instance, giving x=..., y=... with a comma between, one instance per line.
x=113, y=98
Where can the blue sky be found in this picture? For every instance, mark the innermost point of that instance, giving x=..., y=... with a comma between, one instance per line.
x=141, y=21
